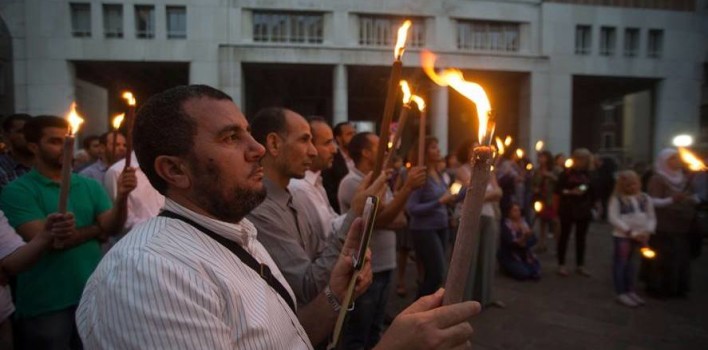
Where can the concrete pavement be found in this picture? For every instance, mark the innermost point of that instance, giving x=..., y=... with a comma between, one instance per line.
x=579, y=312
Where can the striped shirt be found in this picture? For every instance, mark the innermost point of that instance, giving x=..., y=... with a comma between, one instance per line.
x=167, y=285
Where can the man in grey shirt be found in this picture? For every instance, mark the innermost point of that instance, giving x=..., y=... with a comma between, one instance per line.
x=366, y=321
x=303, y=256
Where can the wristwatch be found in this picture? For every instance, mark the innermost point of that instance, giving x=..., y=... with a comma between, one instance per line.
x=332, y=299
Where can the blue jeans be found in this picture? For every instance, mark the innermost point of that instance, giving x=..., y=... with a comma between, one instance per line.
x=622, y=267
x=365, y=322
x=430, y=249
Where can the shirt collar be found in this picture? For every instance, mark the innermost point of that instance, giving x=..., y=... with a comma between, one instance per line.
x=312, y=176
x=49, y=182
x=275, y=193
x=357, y=172
x=242, y=233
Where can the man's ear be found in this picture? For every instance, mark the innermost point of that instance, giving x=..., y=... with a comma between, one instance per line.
x=174, y=171
x=273, y=144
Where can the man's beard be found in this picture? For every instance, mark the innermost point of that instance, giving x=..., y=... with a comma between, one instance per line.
x=54, y=163
x=228, y=204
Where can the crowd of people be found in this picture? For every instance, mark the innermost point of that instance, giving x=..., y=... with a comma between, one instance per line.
x=231, y=232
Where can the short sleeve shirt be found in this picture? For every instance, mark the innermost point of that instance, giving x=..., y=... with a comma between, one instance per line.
x=57, y=280
x=9, y=242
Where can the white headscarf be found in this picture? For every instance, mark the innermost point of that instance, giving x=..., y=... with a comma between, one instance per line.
x=675, y=178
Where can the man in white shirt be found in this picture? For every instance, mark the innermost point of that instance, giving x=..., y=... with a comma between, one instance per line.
x=177, y=281
x=308, y=191
x=144, y=202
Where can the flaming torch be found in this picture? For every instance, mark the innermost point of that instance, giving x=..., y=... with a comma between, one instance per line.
x=75, y=122
x=648, y=252
x=693, y=162
x=568, y=163
x=539, y=145
x=391, y=95
x=402, y=119
x=129, y=120
x=467, y=241
x=500, y=145
x=421, y=128
x=116, y=122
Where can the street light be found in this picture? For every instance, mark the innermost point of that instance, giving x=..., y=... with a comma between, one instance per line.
x=683, y=140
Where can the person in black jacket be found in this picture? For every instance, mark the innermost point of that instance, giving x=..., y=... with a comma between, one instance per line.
x=577, y=198
x=343, y=133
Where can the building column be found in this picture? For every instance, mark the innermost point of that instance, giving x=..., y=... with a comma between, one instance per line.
x=439, y=116
x=560, y=105
x=231, y=76
x=536, y=87
x=676, y=110
x=340, y=104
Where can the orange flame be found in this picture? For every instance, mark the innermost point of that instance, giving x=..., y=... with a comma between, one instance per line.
x=538, y=206
x=569, y=163
x=455, y=79
x=648, y=253
x=419, y=101
x=500, y=145
x=693, y=162
x=128, y=96
x=117, y=121
x=539, y=145
x=519, y=153
x=406, y=91
x=401, y=39
x=508, y=140
x=529, y=166
x=455, y=187
x=74, y=120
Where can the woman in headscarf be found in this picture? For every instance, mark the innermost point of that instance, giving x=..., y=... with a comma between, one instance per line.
x=668, y=274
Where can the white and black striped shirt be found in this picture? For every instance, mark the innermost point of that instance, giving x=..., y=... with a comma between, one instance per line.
x=166, y=285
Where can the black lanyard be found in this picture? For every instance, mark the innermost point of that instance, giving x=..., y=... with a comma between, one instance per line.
x=261, y=269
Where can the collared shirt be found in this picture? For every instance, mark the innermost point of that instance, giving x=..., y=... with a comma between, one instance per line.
x=97, y=171
x=303, y=257
x=167, y=285
x=56, y=281
x=10, y=169
x=308, y=193
x=9, y=242
x=383, y=242
x=144, y=202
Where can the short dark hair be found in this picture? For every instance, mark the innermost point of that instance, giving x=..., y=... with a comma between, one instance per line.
x=266, y=121
x=103, y=139
x=313, y=119
x=88, y=139
x=358, y=144
x=162, y=127
x=338, y=128
x=12, y=118
x=34, y=127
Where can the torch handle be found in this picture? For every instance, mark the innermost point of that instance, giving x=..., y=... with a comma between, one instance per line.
x=129, y=120
x=387, y=115
x=397, y=136
x=465, y=251
x=421, y=139
x=65, y=184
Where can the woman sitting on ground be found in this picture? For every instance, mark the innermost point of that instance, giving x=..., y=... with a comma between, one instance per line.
x=515, y=255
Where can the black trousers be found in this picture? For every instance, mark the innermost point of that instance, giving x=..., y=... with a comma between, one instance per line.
x=581, y=230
